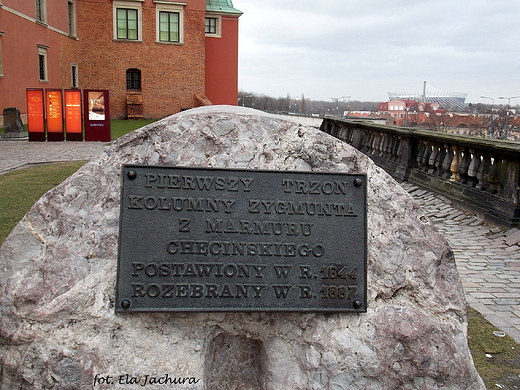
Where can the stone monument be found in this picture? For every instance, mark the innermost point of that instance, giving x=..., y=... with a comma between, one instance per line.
x=59, y=327
x=13, y=127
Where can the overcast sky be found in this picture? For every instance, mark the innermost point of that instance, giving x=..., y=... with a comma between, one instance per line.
x=366, y=48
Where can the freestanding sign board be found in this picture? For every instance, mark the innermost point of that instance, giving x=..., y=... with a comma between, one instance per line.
x=73, y=123
x=54, y=112
x=35, y=114
x=96, y=115
x=194, y=239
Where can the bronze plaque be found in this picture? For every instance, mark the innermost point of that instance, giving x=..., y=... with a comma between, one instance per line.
x=195, y=239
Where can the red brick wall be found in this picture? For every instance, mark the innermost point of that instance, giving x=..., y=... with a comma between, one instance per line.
x=171, y=74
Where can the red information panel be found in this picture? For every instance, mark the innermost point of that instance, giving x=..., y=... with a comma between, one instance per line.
x=54, y=106
x=73, y=125
x=96, y=115
x=35, y=117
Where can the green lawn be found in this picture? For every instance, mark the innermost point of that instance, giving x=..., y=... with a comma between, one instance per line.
x=119, y=127
x=20, y=189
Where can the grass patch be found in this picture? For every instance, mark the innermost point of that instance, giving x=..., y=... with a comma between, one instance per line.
x=119, y=127
x=497, y=359
x=20, y=189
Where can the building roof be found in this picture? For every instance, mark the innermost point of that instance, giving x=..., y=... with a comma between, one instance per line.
x=450, y=101
x=224, y=6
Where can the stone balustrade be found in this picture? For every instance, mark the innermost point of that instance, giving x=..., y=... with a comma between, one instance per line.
x=480, y=175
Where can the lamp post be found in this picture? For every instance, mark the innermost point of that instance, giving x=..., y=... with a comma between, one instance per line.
x=506, y=129
x=491, y=123
x=295, y=98
x=337, y=101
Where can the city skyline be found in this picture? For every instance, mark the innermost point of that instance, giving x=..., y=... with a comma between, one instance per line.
x=367, y=49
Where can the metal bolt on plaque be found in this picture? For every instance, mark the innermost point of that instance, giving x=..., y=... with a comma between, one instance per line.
x=199, y=239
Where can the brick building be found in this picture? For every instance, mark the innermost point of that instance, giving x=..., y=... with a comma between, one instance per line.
x=156, y=57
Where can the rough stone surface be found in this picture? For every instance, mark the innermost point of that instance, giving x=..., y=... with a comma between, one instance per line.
x=59, y=329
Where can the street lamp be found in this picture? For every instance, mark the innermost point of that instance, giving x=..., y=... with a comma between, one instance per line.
x=295, y=98
x=491, y=123
x=506, y=130
x=337, y=101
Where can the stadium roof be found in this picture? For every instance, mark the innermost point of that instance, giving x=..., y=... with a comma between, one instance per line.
x=451, y=101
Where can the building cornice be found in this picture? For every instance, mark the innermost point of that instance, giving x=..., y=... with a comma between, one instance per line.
x=183, y=3
x=43, y=24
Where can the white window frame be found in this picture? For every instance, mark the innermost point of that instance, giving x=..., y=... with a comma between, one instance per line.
x=42, y=51
x=128, y=4
x=163, y=6
x=43, y=11
x=1, y=67
x=218, y=34
x=72, y=16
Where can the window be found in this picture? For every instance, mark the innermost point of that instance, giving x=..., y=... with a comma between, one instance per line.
x=40, y=10
x=127, y=20
x=42, y=63
x=169, y=25
x=133, y=80
x=127, y=23
x=74, y=76
x=213, y=26
x=71, y=12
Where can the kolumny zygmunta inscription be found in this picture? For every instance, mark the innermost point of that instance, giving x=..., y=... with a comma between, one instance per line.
x=194, y=239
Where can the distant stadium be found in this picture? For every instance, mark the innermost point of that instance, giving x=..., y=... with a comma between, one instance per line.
x=450, y=101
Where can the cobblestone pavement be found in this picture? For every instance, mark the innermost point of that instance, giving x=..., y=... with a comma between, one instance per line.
x=488, y=257
x=17, y=154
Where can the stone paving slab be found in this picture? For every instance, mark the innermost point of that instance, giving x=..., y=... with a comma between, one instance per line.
x=488, y=257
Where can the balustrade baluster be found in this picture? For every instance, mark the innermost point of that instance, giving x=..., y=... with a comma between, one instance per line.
x=399, y=153
x=421, y=147
x=341, y=133
x=494, y=176
x=483, y=173
x=391, y=147
x=473, y=168
x=439, y=161
x=350, y=135
x=394, y=144
x=432, y=162
x=455, y=163
x=426, y=157
x=375, y=142
x=464, y=165
x=367, y=142
x=446, y=163
x=384, y=146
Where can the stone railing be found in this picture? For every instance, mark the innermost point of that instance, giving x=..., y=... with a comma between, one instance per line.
x=480, y=175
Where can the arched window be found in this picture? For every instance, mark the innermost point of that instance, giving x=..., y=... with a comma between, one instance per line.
x=133, y=80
